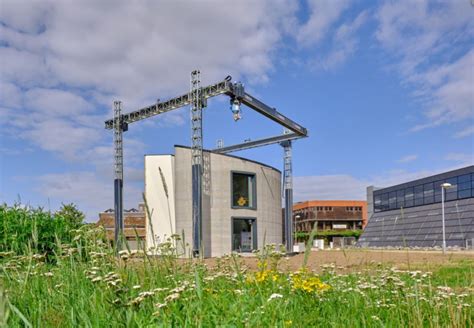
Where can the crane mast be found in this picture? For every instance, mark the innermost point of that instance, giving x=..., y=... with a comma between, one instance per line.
x=197, y=99
x=196, y=159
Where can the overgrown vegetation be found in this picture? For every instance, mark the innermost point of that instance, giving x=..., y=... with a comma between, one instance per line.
x=326, y=234
x=25, y=230
x=88, y=285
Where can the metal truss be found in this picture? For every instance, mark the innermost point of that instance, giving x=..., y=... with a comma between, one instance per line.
x=256, y=143
x=196, y=158
x=118, y=174
x=288, y=191
x=173, y=103
x=197, y=98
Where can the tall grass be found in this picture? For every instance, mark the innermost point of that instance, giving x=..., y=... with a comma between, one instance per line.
x=88, y=285
x=24, y=229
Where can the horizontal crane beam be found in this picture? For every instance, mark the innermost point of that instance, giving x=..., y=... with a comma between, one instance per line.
x=173, y=103
x=258, y=143
x=273, y=114
x=233, y=90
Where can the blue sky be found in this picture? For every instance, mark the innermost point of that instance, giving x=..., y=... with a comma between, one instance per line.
x=386, y=90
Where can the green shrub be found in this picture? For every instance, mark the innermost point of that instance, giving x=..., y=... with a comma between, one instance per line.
x=326, y=234
x=24, y=229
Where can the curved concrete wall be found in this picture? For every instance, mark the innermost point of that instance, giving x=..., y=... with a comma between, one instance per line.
x=217, y=209
x=159, y=194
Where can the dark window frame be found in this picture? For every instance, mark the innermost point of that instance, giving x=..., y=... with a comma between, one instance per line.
x=254, y=190
x=254, y=232
x=425, y=194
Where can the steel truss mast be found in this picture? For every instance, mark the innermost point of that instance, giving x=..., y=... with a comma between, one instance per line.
x=197, y=99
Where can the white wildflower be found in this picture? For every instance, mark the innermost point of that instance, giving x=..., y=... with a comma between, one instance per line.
x=172, y=297
x=273, y=296
x=160, y=305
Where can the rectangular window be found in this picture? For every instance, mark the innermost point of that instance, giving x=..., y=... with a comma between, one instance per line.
x=418, y=195
x=452, y=192
x=392, y=200
x=244, y=234
x=437, y=190
x=243, y=190
x=377, y=203
x=464, y=193
x=400, y=198
x=464, y=178
x=384, y=202
x=464, y=186
x=428, y=193
x=409, y=197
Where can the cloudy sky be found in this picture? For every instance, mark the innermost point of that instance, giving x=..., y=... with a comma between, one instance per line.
x=386, y=89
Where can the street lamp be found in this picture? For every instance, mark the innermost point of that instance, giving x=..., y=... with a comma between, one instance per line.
x=444, y=186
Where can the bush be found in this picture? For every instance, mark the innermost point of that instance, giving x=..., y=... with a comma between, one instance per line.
x=326, y=234
x=24, y=229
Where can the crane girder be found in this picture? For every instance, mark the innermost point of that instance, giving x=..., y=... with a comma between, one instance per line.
x=258, y=143
x=233, y=90
x=170, y=104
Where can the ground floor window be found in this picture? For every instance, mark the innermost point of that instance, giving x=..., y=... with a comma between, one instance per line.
x=244, y=234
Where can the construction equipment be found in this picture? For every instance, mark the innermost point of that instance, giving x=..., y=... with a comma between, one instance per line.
x=197, y=98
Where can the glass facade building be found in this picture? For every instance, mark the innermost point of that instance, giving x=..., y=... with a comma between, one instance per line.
x=423, y=192
x=410, y=214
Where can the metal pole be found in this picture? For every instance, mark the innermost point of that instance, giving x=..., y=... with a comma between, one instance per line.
x=288, y=188
x=442, y=213
x=118, y=174
x=196, y=159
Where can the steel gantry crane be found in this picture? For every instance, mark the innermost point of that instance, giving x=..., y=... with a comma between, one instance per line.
x=197, y=98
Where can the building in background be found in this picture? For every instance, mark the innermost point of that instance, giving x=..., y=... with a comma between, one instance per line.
x=241, y=202
x=410, y=215
x=333, y=217
x=134, y=225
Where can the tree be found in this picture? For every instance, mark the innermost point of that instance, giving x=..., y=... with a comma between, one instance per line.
x=71, y=214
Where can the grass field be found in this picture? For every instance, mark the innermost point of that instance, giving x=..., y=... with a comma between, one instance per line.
x=85, y=284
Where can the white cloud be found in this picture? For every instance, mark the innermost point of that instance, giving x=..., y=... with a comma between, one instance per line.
x=92, y=193
x=345, y=43
x=465, y=132
x=329, y=187
x=140, y=50
x=10, y=95
x=407, y=159
x=422, y=36
x=54, y=102
x=348, y=187
x=324, y=13
x=60, y=53
x=463, y=159
x=64, y=62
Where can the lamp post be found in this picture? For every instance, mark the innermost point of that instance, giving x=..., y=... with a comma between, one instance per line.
x=444, y=186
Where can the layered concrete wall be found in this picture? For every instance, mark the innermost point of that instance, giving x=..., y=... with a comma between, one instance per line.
x=217, y=209
x=159, y=193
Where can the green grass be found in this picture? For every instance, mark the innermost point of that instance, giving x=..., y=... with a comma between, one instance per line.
x=461, y=274
x=85, y=284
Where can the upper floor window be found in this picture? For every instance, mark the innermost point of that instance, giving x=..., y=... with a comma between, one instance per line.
x=243, y=190
x=462, y=186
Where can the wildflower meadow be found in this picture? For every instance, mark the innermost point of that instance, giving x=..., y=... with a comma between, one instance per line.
x=80, y=280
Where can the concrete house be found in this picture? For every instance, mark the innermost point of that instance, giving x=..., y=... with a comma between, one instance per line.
x=241, y=202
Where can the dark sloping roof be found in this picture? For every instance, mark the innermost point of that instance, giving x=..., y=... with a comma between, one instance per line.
x=421, y=226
